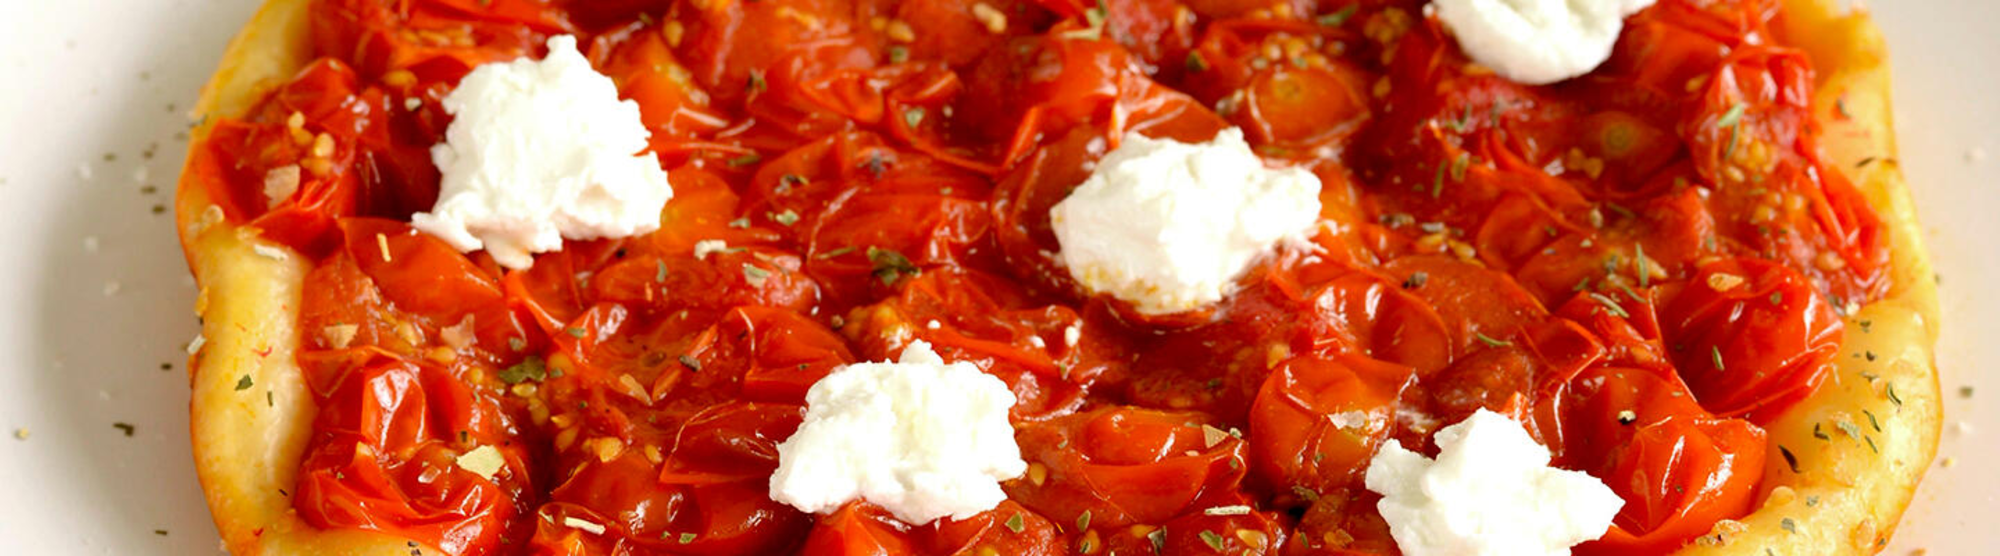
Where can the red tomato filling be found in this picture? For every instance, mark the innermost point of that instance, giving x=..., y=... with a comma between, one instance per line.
x=1642, y=264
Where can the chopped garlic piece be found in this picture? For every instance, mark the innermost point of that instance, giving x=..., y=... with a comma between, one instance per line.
x=280, y=183
x=703, y=248
x=458, y=336
x=583, y=525
x=268, y=252
x=339, y=336
x=484, y=461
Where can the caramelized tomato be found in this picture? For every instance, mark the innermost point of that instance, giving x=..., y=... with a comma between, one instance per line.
x=1643, y=264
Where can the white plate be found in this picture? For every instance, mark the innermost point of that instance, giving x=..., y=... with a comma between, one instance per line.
x=95, y=85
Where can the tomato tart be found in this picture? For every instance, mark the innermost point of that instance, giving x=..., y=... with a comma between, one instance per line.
x=1192, y=276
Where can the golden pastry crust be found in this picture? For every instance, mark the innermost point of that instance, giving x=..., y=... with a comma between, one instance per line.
x=250, y=412
x=1860, y=443
x=1854, y=478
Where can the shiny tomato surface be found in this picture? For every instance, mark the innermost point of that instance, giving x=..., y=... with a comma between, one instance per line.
x=1642, y=264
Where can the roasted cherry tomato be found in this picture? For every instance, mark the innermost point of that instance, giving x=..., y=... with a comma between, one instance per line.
x=1678, y=467
x=1123, y=465
x=1318, y=420
x=1751, y=336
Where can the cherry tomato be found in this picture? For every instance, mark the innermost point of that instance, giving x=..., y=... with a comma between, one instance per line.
x=1318, y=420
x=1678, y=467
x=383, y=457
x=1751, y=336
x=1125, y=465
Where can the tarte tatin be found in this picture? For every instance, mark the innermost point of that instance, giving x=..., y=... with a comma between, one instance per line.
x=1693, y=273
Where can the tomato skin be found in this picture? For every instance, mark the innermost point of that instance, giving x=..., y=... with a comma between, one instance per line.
x=1021, y=204
x=859, y=529
x=710, y=480
x=400, y=399
x=931, y=231
x=1126, y=465
x=1342, y=522
x=1672, y=454
x=722, y=519
x=457, y=34
x=1219, y=364
x=393, y=304
x=754, y=354
x=1158, y=32
x=1678, y=467
x=993, y=530
x=382, y=457
x=1633, y=340
x=706, y=421
x=1200, y=533
x=950, y=31
x=648, y=73
x=1501, y=379
x=727, y=41
x=1304, y=103
x=1304, y=107
x=980, y=319
x=1378, y=315
x=862, y=528
x=1477, y=300
x=242, y=155
x=1663, y=48
x=412, y=269
x=1755, y=348
x=1297, y=435
x=427, y=279
x=1045, y=87
x=1699, y=62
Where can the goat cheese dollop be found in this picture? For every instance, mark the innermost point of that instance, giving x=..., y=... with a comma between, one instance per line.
x=1168, y=226
x=922, y=438
x=1490, y=492
x=1537, y=42
x=539, y=151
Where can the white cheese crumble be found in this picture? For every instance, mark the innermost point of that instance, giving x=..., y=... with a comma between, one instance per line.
x=1536, y=42
x=539, y=151
x=1490, y=492
x=1168, y=226
x=922, y=438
